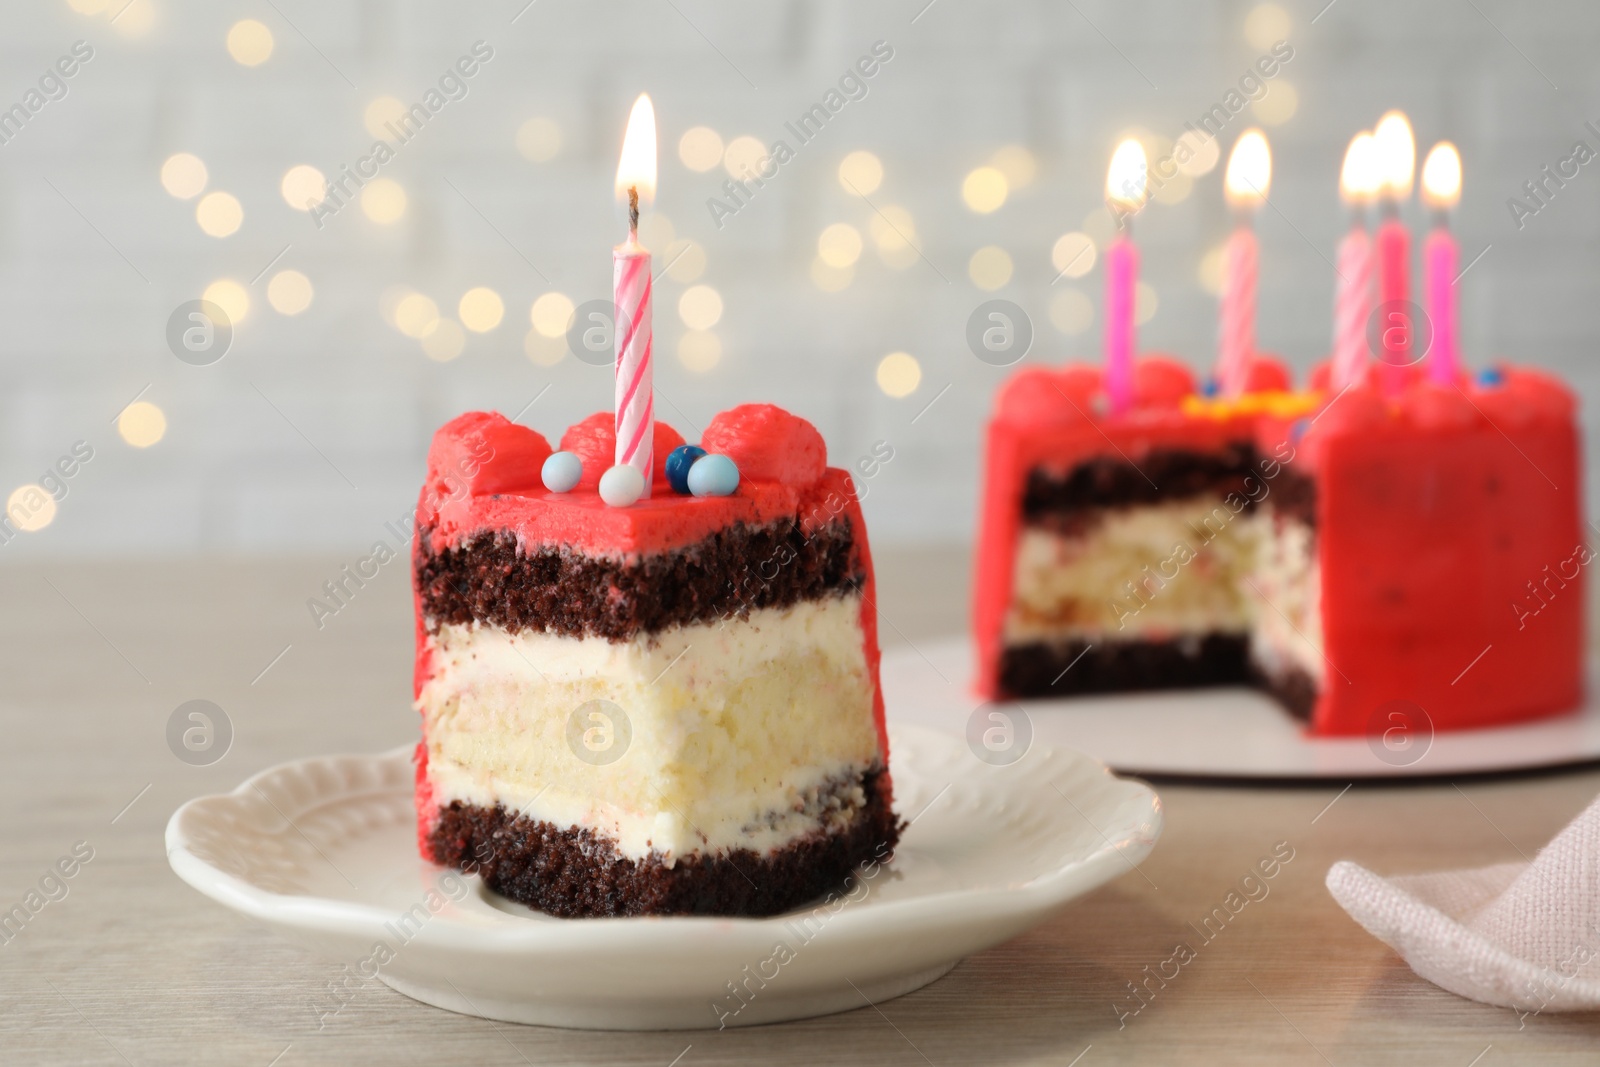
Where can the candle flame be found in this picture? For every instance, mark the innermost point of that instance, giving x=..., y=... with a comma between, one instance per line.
x=1249, y=175
x=637, y=167
x=1441, y=177
x=1397, y=154
x=1125, y=178
x=1361, y=177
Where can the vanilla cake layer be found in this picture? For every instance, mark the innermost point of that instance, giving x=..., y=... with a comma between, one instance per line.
x=1141, y=571
x=748, y=733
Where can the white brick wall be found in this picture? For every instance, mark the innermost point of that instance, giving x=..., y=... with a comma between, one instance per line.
x=84, y=332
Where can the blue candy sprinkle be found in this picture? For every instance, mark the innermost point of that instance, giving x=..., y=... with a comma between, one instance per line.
x=1490, y=377
x=679, y=460
x=1298, y=430
x=713, y=475
x=561, y=472
x=1210, y=388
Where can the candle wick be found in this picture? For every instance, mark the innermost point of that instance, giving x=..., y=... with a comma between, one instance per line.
x=633, y=209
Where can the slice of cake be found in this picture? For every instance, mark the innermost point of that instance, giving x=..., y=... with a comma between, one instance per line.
x=667, y=708
x=1354, y=555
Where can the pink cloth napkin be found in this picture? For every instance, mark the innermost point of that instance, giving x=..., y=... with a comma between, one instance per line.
x=1524, y=936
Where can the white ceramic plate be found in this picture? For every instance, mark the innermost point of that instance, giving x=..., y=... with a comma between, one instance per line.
x=324, y=850
x=1214, y=733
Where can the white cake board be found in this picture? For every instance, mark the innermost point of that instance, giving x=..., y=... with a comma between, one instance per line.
x=1210, y=733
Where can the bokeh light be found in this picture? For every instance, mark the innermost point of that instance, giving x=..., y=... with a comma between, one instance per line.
x=249, y=42
x=1071, y=312
x=183, y=175
x=289, y=292
x=700, y=148
x=539, y=139
x=1017, y=164
x=984, y=190
x=1196, y=154
x=444, y=341
x=700, y=307
x=861, y=172
x=839, y=245
x=382, y=111
x=481, y=309
x=699, y=350
x=219, y=214
x=142, y=424
x=894, y=232
x=135, y=20
x=30, y=507
x=543, y=351
x=1279, y=105
x=383, y=200
x=990, y=267
x=229, y=295
x=686, y=260
x=899, y=374
x=1073, y=254
x=742, y=158
x=1266, y=25
x=831, y=279
x=551, y=313
x=303, y=187
x=415, y=315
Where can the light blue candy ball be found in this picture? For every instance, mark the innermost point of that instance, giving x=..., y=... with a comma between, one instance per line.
x=561, y=472
x=713, y=475
x=621, y=486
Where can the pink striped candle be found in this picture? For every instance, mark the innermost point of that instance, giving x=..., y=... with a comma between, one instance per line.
x=1442, y=258
x=1245, y=184
x=1352, y=307
x=1122, y=283
x=1126, y=184
x=1441, y=190
x=1236, y=343
x=630, y=264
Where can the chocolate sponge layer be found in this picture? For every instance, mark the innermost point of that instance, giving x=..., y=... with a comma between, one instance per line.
x=574, y=873
x=736, y=570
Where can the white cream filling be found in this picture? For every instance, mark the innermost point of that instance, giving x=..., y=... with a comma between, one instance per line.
x=1174, y=570
x=1288, y=630
x=736, y=733
x=1140, y=573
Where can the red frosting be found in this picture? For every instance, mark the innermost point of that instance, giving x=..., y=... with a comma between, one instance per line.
x=1267, y=374
x=1161, y=381
x=1045, y=395
x=768, y=444
x=594, y=441
x=1445, y=540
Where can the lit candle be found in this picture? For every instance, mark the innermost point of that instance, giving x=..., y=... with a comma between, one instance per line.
x=1352, y=304
x=636, y=187
x=1441, y=191
x=1397, y=159
x=1248, y=178
x=1125, y=195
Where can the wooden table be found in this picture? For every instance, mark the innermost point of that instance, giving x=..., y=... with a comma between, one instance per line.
x=133, y=966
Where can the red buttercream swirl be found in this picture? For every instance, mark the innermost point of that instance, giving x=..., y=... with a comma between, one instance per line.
x=768, y=444
x=594, y=441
